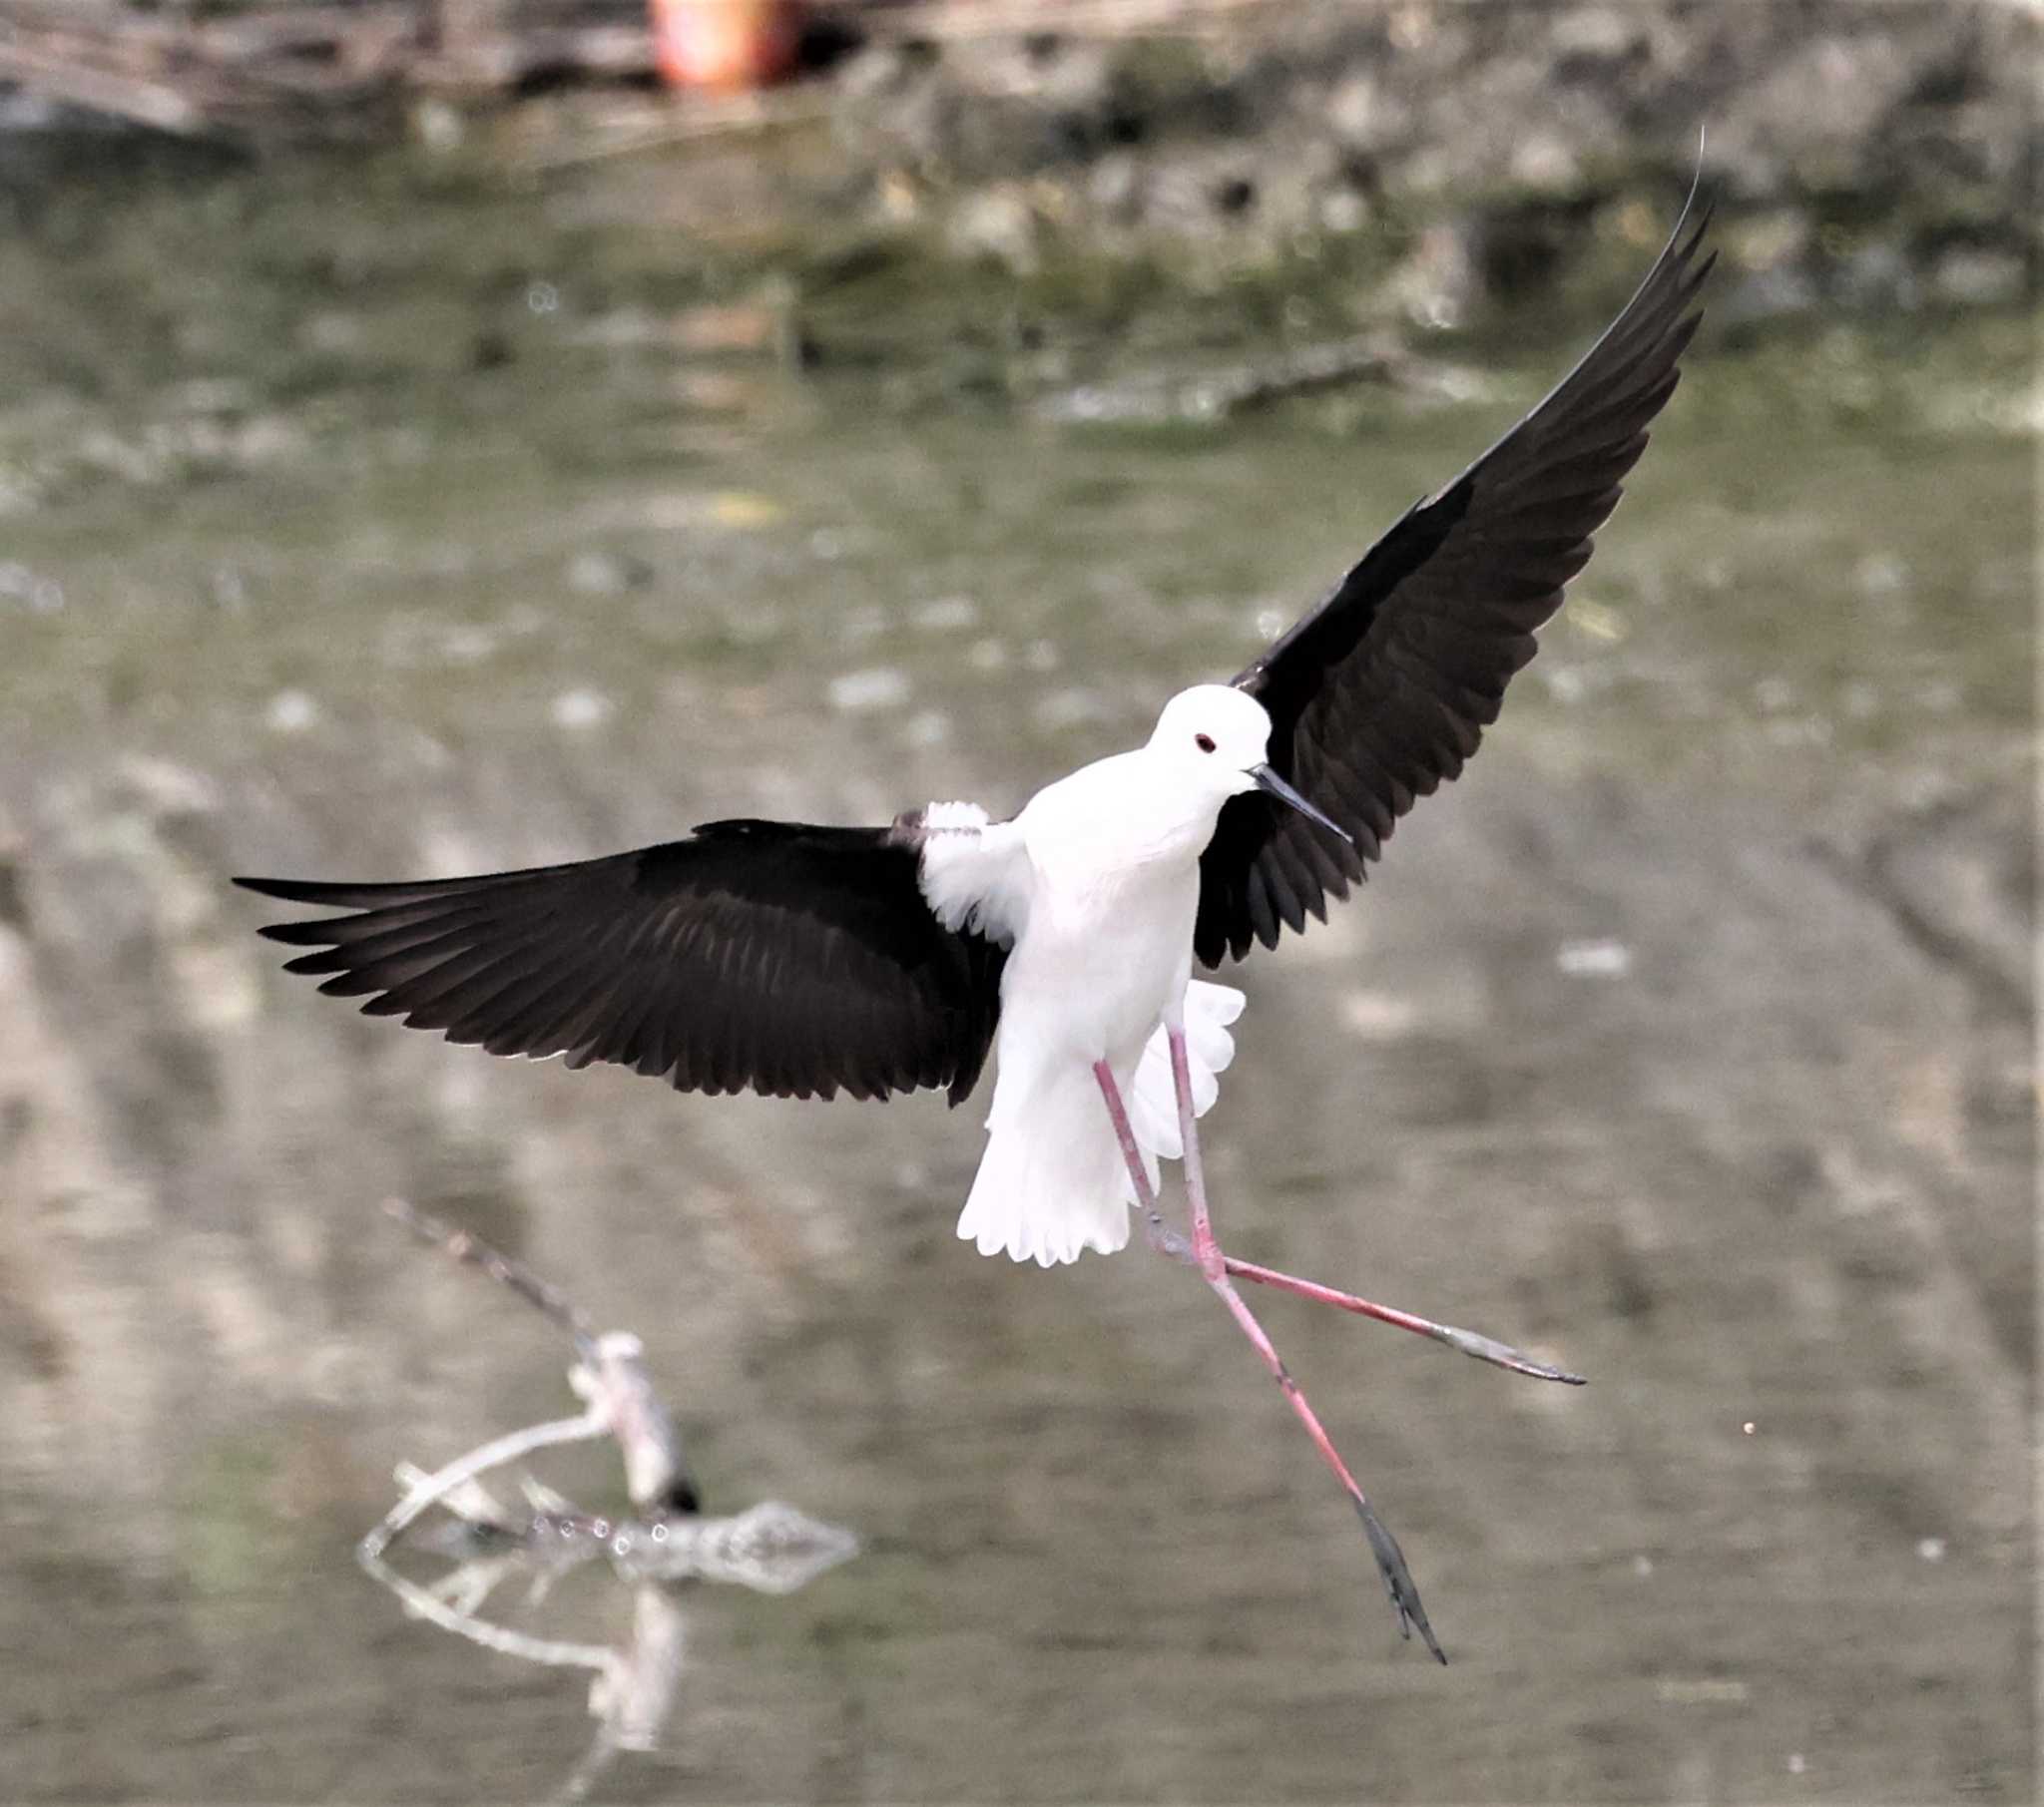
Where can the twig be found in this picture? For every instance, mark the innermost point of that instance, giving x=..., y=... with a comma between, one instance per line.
x=155, y=104
x=291, y=68
x=771, y=1548
x=610, y=1374
x=704, y=118
x=505, y=1269
x=938, y=20
x=492, y=1636
x=615, y=1382
x=1224, y=394
x=492, y=60
x=494, y=1453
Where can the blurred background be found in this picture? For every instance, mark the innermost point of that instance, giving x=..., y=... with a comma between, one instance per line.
x=438, y=437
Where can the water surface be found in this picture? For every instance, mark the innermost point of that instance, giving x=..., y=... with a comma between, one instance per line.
x=1684, y=1040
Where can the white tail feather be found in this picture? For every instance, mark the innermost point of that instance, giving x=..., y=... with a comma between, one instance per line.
x=1052, y=1182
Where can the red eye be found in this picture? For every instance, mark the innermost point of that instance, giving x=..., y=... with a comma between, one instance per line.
x=1204, y=743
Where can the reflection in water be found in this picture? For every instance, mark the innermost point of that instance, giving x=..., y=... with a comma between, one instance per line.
x=771, y=1548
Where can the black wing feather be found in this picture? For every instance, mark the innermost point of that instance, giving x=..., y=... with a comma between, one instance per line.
x=1381, y=694
x=766, y=955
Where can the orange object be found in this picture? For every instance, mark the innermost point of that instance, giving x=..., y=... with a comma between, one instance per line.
x=727, y=46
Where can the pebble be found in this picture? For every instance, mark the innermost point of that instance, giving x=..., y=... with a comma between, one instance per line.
x=1880, y=574
x=581, y=708
x=858, y=692
x=291, y=713
x=1378, y=1016
x=1599, y=959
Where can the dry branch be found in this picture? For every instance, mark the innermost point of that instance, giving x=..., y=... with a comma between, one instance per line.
x=609, y=1373
x=769, y=1548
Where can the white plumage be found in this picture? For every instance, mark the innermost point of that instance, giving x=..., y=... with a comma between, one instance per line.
x=1094, y=886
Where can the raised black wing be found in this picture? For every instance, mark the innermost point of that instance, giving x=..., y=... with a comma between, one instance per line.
x=1382, y=691
x=771, y=956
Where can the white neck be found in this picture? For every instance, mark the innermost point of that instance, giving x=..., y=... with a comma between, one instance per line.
x=1138, y=810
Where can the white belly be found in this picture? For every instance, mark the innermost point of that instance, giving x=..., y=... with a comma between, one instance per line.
x=1108, y=942
x=1097, y=969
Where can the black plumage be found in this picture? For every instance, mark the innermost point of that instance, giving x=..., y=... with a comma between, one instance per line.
x=774, y=957
x=803, y=961
x=1380, y=693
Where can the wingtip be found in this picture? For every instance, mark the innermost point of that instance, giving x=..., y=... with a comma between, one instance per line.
x=1686, y=247
x=327, y=894
x=1696, y=175
x=289, y=890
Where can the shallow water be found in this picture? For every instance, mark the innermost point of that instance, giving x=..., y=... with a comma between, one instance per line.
x=1684, y=1040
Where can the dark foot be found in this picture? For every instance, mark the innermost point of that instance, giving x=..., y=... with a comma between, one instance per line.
x=1398, y=1580
x=1503, y=1355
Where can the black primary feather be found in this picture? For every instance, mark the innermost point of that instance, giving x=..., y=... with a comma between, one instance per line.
x=774, y=957
x=1380, y=693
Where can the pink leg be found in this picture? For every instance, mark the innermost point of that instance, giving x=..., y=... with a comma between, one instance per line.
x=1163, y=1239
x=1484, y=1348
x=1168, y=1242
x=1207, y=1255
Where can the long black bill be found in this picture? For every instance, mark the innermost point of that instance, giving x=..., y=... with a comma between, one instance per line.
x=1266, y=779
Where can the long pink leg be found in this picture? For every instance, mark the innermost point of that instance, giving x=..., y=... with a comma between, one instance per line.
x=1168, y=1242
x=1165, y=1240
x=1471, y=1342
x=1390, y=1560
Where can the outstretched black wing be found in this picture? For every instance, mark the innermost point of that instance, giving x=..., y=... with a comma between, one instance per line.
x=770, y=956
x=1384, y=691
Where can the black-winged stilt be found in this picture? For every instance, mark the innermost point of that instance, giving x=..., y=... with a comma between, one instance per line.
x=803, y=961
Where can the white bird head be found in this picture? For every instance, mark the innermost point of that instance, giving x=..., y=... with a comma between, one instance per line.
x=1219, y=739
x=1218, y=734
